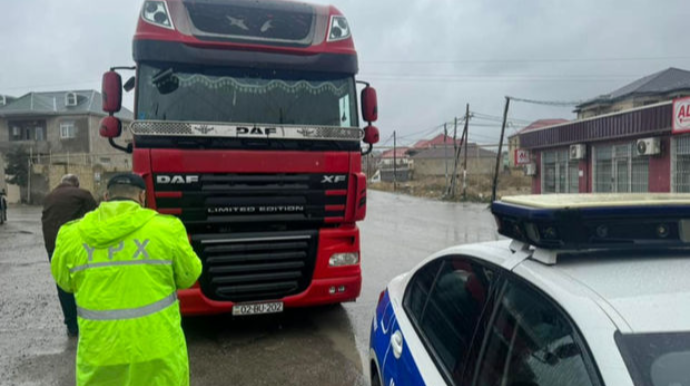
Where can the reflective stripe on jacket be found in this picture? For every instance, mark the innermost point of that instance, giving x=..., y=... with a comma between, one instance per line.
x=124, y=265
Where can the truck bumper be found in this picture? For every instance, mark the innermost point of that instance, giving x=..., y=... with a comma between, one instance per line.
x=325, y=279
x=193, y=301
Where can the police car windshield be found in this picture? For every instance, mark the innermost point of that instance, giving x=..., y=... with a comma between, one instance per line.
x=657, y=359
x=250, y=96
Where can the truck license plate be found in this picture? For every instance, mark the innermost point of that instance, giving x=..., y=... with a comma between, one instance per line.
x=257, y=308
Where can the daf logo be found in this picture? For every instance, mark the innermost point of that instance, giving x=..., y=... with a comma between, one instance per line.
x=177, y=179
x=333, y=179
x=257, y=131
x=203, y=129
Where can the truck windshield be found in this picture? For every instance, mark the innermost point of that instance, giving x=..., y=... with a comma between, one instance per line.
x=250, y=96
x=659, y=359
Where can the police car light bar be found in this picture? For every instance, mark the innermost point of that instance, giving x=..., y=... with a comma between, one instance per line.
x=596, y=221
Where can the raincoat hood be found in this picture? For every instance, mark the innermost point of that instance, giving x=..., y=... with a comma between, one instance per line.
x=113, y=221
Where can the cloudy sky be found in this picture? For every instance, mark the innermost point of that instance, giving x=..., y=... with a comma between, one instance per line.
x=428, y=58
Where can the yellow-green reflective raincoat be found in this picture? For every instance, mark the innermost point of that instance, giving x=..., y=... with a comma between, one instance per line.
x=124, y=264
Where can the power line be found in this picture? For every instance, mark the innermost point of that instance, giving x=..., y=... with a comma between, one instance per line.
x=531, y=60
x=547, y=103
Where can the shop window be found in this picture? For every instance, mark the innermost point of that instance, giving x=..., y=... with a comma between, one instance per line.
x=559, y=174
x=681, y=164
x=617, y=170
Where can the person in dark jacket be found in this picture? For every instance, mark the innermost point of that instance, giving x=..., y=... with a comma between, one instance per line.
x=67, y=202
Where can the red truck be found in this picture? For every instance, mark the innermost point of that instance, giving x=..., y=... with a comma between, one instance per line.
x=247, y=129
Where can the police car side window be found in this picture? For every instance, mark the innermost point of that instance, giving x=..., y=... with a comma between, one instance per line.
x=531, y=343
x=453, y=304
x=418, y=290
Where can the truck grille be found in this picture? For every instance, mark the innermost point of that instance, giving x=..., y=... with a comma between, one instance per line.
x=242, y=202
x=256, y=266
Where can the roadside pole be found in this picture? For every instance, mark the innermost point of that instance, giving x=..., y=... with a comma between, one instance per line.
x=500, y=149
x=464, y=164
x=463, y=141
x=28, y=176
x=445, y=150
x=395, y=162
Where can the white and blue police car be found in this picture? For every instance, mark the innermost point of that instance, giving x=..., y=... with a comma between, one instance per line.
x=588, y=290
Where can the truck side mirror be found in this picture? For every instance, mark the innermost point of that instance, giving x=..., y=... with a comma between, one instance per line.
x=111, y=127
x=371, y=135
x=370, y=107
x=112, y=92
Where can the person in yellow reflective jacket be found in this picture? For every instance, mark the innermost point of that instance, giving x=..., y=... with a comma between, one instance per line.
x=124, y=264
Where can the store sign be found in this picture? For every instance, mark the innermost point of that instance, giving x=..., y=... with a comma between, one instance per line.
x=522, y=157
x=681, y=115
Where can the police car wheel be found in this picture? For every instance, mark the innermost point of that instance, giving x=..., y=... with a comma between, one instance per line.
x=375, y=378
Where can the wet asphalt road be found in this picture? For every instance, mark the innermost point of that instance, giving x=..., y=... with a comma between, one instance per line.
x=320, y=346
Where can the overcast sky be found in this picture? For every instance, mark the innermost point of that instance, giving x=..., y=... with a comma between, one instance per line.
x=427, y=58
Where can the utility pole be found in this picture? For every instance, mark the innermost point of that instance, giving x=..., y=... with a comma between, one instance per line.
x=445, y=150
x=449, y=188
x=395, y=162
x=28, y=172
x=500, y=149
x=459, y=151
x=464, y=164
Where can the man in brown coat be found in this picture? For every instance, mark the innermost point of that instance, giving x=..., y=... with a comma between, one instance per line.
x=67, y=202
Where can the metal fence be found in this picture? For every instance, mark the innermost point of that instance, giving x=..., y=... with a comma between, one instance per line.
x=108, y=161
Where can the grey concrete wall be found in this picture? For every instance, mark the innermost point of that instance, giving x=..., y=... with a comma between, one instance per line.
x=78, y=144
x=436, y=167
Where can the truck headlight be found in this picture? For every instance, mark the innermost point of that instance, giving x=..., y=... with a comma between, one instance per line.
x=339, y=30
x=156, y=13
x=343, y=259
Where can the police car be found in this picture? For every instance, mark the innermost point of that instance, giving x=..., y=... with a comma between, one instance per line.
x=586, y=290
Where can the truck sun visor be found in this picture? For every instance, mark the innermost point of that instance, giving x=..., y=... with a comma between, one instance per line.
x=261, y=20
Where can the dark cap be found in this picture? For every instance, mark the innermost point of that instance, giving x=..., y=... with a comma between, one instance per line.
x=127, y=179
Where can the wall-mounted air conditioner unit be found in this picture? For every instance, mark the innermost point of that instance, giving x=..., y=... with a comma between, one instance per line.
x=578, y=151
x=648, y=146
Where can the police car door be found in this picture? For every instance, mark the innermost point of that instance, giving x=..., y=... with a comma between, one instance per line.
x=441, y=319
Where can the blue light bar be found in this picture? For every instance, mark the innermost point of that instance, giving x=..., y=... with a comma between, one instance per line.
x=576, y=222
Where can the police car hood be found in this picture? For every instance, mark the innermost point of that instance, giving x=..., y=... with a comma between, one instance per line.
x=112, y=222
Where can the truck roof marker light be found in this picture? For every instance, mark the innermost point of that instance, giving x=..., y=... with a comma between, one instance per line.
x=339, y=29
x=157, y=13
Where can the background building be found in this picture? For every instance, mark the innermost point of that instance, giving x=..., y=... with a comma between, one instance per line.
x=631, y=150
x=61, y=132
x=440, y=161
x=659, y=87
x=514, y=140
